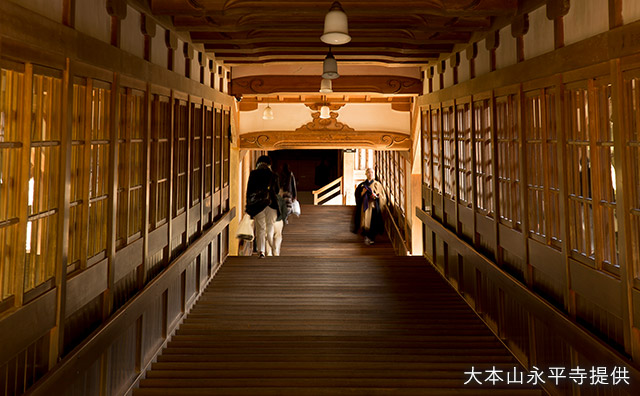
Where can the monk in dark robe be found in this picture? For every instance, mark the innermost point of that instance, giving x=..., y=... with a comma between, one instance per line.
x=370, y=199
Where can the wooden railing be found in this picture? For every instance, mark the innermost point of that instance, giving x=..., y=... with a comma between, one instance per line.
x=535, y=331
x=324, y=194
x=395, y=234
x=121, y=350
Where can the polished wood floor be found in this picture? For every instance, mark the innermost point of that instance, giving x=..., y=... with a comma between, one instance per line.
x=331, y=316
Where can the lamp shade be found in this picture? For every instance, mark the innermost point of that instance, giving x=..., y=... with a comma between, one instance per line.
x=267, y=114
x=325, y=112
x=330, y=67
x=326, y=86
x=336, y=27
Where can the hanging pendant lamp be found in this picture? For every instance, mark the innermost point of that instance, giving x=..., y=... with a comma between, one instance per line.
x=326, y=86
x=267, y=114
x=325, y=112
x=330, y=67
x=336, y=26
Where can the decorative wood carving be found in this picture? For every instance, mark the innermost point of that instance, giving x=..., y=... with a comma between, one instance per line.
x=557, y=8
x=472, y=51
x=117, y=8
x=322, y=125
x=188, y=51
x=275, y=140
x=171, y=40
x=377, y=84
x=493, y=40
x=317, y=106
x=454, y=60
x=520, y=26
x=147, y=25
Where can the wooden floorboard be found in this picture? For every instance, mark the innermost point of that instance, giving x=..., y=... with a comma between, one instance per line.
x=331, y=316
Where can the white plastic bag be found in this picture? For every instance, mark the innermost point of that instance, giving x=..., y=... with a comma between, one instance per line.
x=296, y=208
x=245, y=228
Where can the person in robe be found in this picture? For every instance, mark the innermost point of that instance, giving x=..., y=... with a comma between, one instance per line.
x=370, y=199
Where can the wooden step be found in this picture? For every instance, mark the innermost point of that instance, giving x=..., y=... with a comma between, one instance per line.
x=331, y=316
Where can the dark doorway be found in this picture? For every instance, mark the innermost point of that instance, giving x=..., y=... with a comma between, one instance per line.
x=304, y=164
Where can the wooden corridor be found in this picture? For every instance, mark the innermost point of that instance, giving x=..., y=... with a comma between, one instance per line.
x=330, y=316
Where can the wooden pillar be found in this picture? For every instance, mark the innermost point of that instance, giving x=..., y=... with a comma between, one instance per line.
x=212, y=77
x=615, y=13
x=519, y=28
x=64, y=187
x=148, y=29
x=471, y=54
x=171, y=41
x=556, y=10
x=69, y=13
x=187, y=49
x=454, y=62
x=492, y=42
x=117, y=9
x=112, y=206
x=430, y=74
x=349, y=163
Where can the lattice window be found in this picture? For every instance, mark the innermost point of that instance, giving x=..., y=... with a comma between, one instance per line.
x=196, y=153
x=160, y=161
x=180, y=156
x=542, y=166
x=209, y=119
x=11, y=149
x=632, y=147
x=426, y=151
x=483, y=154
x=590, y=181
x=43, y=182
x=226, y=128
x=130, y=167
x=100, y=126
x=436, y=150
x=449, y=151
x=80, y=149
x=508, y=161
x=217, y=152
x=463, y=123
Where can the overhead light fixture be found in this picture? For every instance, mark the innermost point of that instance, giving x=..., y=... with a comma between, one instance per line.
x=267, y=114
x=336, y=26
x=330, y=67
x=326, y=86
x=325, y=112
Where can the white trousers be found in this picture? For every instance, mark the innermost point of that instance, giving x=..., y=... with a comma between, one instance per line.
x=274, y=249
x=264, y=228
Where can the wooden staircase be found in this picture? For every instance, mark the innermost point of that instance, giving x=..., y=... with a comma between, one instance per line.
x=331, y=316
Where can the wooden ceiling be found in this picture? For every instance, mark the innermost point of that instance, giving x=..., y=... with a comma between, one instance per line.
x=389, y=31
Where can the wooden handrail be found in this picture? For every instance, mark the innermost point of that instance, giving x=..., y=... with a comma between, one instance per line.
x=323, y=189
x=398, y=233
x=85, y=354
x=329, y=186
x=558, y=322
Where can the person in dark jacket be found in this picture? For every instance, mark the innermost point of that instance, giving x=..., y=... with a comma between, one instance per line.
x=262, y=203
x=288, y=188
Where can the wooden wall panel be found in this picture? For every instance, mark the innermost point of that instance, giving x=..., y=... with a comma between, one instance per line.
x=98, y=136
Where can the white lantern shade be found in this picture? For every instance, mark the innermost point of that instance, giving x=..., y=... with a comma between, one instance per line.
x=336, y=26
x=330, y=67
x=267, y=114
x=326, y=86
x=325, y=112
